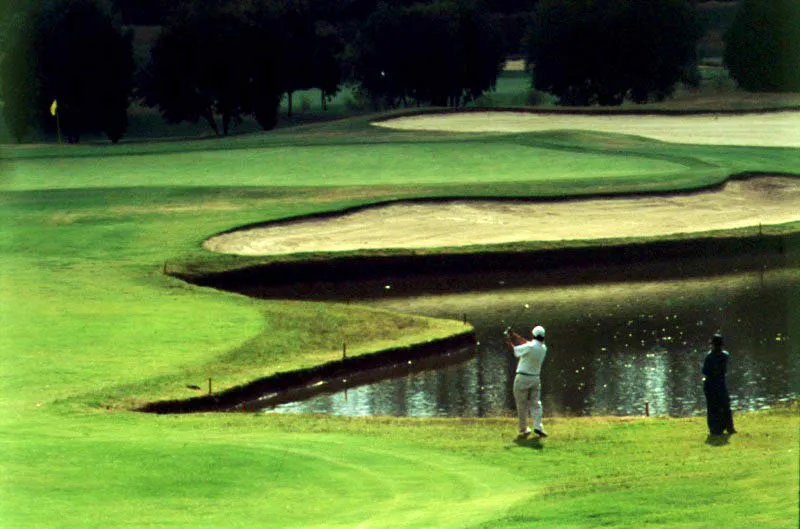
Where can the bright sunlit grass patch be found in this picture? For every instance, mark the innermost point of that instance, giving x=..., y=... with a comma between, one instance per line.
x=385, y=164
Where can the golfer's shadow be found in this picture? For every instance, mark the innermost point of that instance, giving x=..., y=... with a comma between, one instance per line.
x=529, y=442
x=717, y=440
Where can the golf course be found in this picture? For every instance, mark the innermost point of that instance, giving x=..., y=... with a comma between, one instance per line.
x=96, y=324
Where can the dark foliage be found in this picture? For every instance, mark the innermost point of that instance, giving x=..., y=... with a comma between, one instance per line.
x=510, y=6
x=606, y=51
x=311, y=48
x=327, y=62
x=18, y=79
x=444, y=54
x=145, y=12
x=212, y=59
x=762, y=47
x=10, y=13
x=512, y=29
x=75, y=52
x=216, y=58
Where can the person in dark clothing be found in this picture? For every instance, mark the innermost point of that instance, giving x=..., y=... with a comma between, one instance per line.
x=718, y=402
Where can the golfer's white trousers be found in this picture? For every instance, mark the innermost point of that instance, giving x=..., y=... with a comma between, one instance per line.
x=528, y=394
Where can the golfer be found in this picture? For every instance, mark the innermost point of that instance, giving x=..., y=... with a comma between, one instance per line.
x=527, y=382
x=718, y=402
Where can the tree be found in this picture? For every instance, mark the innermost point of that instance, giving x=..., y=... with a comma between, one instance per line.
x=266, y=48
x=311, y=49
x=11, y=12
x=327, y=61
x=510, y=6
x=299, y=46
x=377, y=62
x=18, y=77
x=762, y=47
x=442, y=53
x=482, y=50
x=604, y=51
x=214, y=58
x=430, y=66
x=75, y=52
x=145, y=12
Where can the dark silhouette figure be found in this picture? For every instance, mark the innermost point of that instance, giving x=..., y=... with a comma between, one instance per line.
x=718, y=402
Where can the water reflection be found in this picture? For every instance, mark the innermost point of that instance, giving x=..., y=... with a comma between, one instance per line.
x=613, y=346
x=364, y=379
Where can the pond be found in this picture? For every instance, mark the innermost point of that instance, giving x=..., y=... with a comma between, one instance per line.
x=620, y=339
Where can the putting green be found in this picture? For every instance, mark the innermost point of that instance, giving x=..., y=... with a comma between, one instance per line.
x=323, y=165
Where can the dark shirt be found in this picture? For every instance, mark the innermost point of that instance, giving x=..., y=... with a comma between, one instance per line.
x=715, y=367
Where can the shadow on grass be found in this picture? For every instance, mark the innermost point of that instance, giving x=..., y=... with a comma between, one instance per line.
x=717, y=440
x=529, y=442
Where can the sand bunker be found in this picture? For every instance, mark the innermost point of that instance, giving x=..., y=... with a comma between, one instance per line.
x=762, y=200
x=771, y=129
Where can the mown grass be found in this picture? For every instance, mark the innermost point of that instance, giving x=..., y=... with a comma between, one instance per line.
x=277, y=471
x=390, y=164
x=93, y=327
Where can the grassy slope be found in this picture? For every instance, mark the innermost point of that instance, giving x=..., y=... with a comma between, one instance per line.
x=90, y=322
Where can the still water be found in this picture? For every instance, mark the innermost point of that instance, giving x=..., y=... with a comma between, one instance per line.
x=613, y=345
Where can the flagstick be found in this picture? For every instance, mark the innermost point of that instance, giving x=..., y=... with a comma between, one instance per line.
x=58, y=128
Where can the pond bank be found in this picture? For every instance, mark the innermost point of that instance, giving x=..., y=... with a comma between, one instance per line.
x=295, y=380
x=750, y=249
x=636, y=261
x=568, y=260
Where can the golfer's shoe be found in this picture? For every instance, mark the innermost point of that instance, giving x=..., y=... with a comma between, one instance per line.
x=540, y=433
x=526, y=431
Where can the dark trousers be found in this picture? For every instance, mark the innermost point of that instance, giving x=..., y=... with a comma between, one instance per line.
x=718, y=404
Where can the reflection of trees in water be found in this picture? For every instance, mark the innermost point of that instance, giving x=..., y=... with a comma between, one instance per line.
x=612, y=347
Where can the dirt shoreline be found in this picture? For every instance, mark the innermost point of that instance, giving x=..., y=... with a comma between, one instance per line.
x=762, y=200
x=246, y=397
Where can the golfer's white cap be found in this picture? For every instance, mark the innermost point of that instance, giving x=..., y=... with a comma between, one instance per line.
x=538, y=331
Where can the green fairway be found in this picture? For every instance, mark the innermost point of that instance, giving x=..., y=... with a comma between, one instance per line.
x=206, y=471
x=386, y=164
x=93, y=327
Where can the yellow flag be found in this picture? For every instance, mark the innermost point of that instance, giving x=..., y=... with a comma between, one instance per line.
x=53, y=108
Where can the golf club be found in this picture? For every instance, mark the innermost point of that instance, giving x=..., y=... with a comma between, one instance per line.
x=515, y=320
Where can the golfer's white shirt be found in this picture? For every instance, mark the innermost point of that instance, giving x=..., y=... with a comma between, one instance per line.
x=531, y=355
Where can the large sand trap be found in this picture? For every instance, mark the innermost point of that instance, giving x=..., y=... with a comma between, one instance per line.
x=771, y=129
x=763, y=200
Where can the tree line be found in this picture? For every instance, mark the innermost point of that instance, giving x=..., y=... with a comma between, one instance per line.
x=221, y=60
